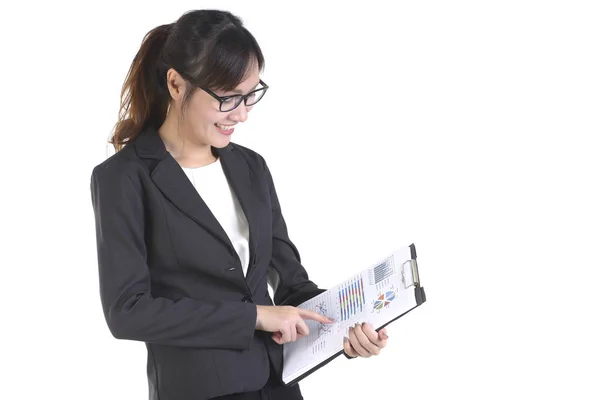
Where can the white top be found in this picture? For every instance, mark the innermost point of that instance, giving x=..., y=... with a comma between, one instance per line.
x=212, y=185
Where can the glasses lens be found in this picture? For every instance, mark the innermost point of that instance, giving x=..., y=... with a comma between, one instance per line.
x=255, y=97
x=231, y=103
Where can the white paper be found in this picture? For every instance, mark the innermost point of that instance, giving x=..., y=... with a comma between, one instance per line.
x=376, y=295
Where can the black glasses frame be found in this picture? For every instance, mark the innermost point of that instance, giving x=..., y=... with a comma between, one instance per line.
x=241, y=97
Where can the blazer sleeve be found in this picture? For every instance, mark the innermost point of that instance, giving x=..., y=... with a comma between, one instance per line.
x=130, y=309
x=286, y=275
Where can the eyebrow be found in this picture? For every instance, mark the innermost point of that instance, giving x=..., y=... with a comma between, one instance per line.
x=240, y=92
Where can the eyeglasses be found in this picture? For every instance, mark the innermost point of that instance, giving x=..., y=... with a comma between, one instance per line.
x=230, y=103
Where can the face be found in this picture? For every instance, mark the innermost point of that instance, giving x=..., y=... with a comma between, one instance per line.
x=204, y=124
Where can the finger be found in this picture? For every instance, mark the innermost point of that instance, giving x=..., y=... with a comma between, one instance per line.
x=277, y=337
x=365, y=341
x=356, y=345
x=293, y=334
x=383, y=334
x=286, y=335
x=299, y=334
x=348, y=348
x=373, y=335
x=309, y=314
x=315, y=316
x=302, y=328
x=370, y=333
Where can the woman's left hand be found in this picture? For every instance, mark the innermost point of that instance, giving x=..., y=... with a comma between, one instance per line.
x=364, y=341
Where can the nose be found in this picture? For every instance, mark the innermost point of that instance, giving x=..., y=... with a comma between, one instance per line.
x=240, y=114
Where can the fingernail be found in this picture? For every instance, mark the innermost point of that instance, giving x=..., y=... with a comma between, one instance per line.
x=385, y=335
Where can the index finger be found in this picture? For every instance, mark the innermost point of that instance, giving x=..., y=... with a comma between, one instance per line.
x=308, y=314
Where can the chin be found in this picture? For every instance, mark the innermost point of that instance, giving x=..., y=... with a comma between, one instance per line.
x=221, y=143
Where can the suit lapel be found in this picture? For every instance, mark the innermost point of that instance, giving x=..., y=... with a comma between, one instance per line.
x=241, y=179
x=176, y=186
x=172, y=181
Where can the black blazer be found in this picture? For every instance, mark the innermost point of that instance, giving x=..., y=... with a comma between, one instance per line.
x=170, y=277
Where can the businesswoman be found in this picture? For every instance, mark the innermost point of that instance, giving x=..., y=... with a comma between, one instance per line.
x=188, y=224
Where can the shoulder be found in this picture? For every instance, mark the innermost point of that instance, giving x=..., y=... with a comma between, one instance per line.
x=124, y=165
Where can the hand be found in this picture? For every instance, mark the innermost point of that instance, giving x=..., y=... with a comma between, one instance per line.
x=364, y=341
x=287, y=322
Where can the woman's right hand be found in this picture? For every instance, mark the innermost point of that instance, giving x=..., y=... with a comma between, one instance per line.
x=286, y=322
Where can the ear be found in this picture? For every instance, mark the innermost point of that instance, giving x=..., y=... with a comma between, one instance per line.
x=175, y=84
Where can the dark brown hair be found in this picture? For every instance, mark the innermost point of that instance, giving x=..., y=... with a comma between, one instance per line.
x=208, y=48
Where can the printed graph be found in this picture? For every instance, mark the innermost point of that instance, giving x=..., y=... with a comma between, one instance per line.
x=319, y=342
x=352, y=298
x=322, y=307
x=379, y=274
x=384, y=299
x=318, y=335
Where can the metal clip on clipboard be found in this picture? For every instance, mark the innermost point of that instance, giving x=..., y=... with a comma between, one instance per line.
x=413, y=280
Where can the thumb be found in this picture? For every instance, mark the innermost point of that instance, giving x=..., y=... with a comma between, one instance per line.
x=277, y=337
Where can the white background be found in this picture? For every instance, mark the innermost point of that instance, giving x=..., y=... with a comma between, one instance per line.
x=467, y=127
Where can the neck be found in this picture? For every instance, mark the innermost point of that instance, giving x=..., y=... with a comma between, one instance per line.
x=189, y=153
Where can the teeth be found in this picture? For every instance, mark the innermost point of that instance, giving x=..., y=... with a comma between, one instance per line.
x=225, y=127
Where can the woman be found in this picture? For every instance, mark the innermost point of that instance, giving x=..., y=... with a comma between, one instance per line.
x=188, y=224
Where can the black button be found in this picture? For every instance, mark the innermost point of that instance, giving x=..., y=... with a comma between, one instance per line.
x=247, y=299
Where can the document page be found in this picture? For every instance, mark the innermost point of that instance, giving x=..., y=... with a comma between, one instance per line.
x=376, y=295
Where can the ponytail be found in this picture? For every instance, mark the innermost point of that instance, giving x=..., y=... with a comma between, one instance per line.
x=144, y=95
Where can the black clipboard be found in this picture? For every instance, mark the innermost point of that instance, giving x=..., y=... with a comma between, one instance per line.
x=419, y=297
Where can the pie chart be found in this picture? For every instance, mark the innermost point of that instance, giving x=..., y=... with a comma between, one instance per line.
x=384, y=299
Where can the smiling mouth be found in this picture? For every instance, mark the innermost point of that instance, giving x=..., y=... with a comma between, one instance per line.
x=224, y=127
x=226, y=130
